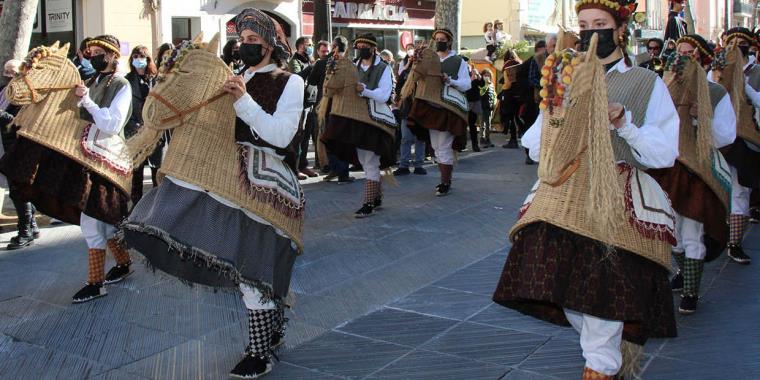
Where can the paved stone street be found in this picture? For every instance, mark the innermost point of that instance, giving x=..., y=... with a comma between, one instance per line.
x=404, y=294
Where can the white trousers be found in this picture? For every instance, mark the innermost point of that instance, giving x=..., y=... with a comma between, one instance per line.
x=370, y=162
x=739, y=195
x=441, y=142
x=689, y=235
x=252, y=299
x=600, y=341
x=96, y=233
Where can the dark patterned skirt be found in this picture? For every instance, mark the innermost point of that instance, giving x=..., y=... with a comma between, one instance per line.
x=549, y=268
x=692, y=198
x=342, y=136
x=423, y=117
x=192, y=236
x=745, y=160
x=61, y=187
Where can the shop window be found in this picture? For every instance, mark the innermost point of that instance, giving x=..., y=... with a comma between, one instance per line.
x=185, y=28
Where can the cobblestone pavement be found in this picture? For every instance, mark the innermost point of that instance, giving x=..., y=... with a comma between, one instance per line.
x=404, y=294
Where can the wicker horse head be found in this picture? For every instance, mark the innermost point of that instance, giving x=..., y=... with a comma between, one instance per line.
x=575, y=132
x=729, y=69
x=424, y=83
x=50, y=116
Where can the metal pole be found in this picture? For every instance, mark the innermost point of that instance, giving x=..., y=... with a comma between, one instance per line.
x=322, y=21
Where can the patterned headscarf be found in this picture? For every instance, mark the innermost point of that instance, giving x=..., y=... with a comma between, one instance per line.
x=265, y=26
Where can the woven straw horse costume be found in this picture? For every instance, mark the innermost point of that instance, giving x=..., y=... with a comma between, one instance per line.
x=224, y=214
x=699, y=185
x=591, y=233
x=50, y=119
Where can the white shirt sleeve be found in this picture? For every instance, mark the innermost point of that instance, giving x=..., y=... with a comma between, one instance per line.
x=752, y=94
x=383, y=91
x=655, y=143
x=532, y=138
x=724, y=123
x=463, y=82
x=280, y=128
x=489, y=38
x=110, y=120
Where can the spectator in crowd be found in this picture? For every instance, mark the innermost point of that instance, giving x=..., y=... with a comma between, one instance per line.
x=323, y=48
x=510, y=97
x=476, y=109
x=490, y=36
x=302, y=57
x=534, y=63
x=27, y=225
x=301, y=64
x=141, y=77
x=407, y=137
x=82, y=61
x=488, y=104
x=231, y=56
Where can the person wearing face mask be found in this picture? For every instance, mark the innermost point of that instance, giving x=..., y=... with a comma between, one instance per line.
x=360, y=142
x=27, y=229
x=700, y=201
x=744, y=153
x=610, y=281
x=82, y=62
x=302, y=57
x=447, y=131
x=407, y=137
x=301, y=65
x=231, y=56
x=248, y=241
x=141, y=78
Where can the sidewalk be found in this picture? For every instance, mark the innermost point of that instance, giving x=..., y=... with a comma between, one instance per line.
x=404, y=294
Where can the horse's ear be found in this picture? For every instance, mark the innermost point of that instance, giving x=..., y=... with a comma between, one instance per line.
x=213, y=45
x=64, y=50
x=199, y=38
x=55, y=45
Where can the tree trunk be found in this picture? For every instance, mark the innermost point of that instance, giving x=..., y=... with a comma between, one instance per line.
x=322, y=24
x=448, y=14
x=16, y=22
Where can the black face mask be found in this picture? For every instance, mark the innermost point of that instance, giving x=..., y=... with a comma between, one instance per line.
x=251, y=54
x=441, y=46
x=365, y=53
x=744, y=50
x=99, y=62
x=606, y=44
x=236, y=55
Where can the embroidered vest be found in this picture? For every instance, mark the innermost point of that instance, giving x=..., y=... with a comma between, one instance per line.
x=102, y=93
x=451, y=65
x=266, y=90
x=635, y=99
x=371, y=77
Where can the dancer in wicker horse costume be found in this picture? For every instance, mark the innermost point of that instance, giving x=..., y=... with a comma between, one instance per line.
x=229, y=211
x=436, y=87
x=592, y=245
x=359, y=124
x=699, y=184
x=75, y=165
x=739, y=73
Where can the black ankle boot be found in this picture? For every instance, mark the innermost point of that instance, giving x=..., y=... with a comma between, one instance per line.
x=25, y=217
x=257, y=360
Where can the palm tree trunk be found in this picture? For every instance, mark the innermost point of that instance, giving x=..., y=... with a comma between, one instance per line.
x=16, y=22
x=448, y=14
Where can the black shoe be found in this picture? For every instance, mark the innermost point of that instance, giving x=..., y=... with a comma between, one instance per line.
x=278, y=339
x=512, y=144
x=89, y=292
x=35, y=229
x=330, y=176
x=345, y=180
x=443, y=189
x=20, y=241
x=476, y=149
x=365, y=211
x=420, y=171
x=251, y=367
x=401, y=171
x=736, y=253
x=117, y=273
x=377, y=203
x=529, y=161
x=688, y=304
x=356, y=168
x=676, y=284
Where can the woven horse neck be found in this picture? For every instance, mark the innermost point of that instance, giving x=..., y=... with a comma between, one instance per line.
x=180, y=114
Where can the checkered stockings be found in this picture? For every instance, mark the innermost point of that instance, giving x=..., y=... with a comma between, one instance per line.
x=738, y=225
x=679, y=257
x=260, y=329
x=590, y=374
x=96, y=271
x=692, y=276
x=372, y=190
x=119, y=252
